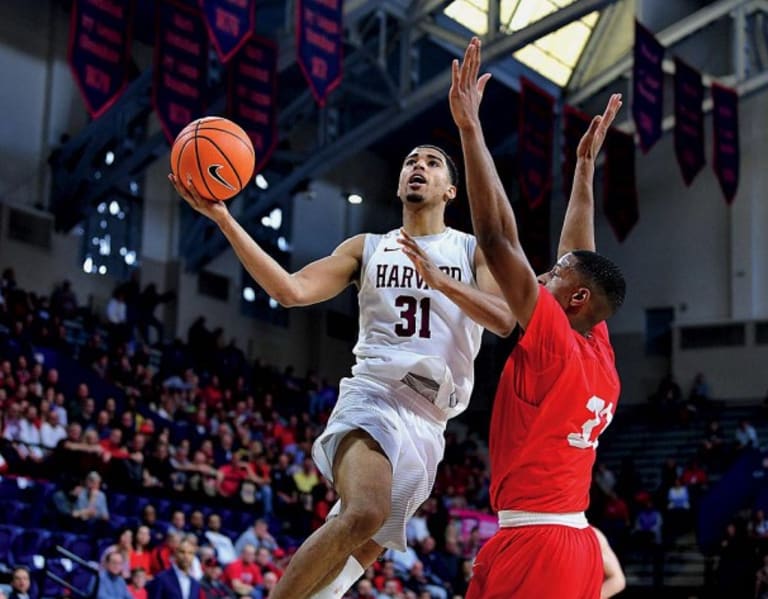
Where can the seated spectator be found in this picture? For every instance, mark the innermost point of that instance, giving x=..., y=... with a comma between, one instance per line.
x=64, y=500
x=712, y=445
x=51, y=431
x=161, y=555
x=243, y=575
x=648, y=525
x=604, y=479
x=699, y=395
x=197, y=526
x=21, y=584
x=306, y=478
x=91, y=504
x=157, y=530
x=124, y=547
x=211, y=583
x=178, y=522
x=137, y=583
x=111, y=582
x=678, y=509
x=177, y=582
x=258, y=536
x=365, y=590
x=419, y=582
x=225, y=550
x=265, y=562
x=746, y=436
x=268, y=584
x=695, y=478
x=64, y=300
x=761, y=580
x=140, y=555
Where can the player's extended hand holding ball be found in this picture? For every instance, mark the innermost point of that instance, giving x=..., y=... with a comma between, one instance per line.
x=212, y=159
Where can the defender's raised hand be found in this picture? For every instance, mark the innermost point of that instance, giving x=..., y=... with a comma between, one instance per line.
x=591, y=142
x=466, y=89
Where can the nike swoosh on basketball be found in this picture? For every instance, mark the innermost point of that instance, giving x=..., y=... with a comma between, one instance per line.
x=391, y=249
x=213, y=171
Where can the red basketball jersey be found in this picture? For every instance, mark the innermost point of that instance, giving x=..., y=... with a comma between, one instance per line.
x=557, y=393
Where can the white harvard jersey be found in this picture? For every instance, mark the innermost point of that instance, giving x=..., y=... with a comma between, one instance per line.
x=414, y=334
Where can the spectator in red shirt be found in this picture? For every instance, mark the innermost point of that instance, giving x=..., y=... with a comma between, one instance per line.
x=244, y=575
x=161, y=555
x=137, y=583
x=113, y=445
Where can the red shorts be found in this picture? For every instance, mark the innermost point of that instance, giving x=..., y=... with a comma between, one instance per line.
x=538, y=562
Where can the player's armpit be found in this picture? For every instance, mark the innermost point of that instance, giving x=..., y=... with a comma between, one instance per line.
x=326, y=278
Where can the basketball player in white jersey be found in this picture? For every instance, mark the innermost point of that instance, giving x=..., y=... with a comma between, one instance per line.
x=425, y=293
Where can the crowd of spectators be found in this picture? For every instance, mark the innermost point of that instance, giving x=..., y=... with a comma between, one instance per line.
x=196, y=423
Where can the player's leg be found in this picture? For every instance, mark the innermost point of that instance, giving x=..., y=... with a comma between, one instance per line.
x=363, y=479
x=342, y=578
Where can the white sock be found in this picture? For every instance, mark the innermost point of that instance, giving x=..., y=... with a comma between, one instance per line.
x=348, y=576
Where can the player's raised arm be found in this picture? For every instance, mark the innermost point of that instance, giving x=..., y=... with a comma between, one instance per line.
x=481, y=304
x=492, y=216
x=316, y=282
x=578, y=231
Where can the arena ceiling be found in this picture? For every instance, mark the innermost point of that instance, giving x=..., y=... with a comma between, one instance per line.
x=396, y=75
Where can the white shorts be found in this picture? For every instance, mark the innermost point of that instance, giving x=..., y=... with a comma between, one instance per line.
x=409, y=430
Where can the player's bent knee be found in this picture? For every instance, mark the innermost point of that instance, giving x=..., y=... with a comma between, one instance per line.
x=365, y=521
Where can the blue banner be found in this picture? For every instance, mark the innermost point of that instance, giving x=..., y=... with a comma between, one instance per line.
x=575, y=125
x=725, y=124
x=319, y=29
x=252, y=95
x=620, y=187
x=648, y=87
x=99, y=50
x=181, y=59
x=689, y=120
x=230, y=23
x=536, y=139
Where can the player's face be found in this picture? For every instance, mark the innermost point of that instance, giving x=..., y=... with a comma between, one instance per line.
x=563, y=281
x=425, y=179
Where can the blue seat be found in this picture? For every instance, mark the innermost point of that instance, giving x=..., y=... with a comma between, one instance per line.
x=48, y=586
x=84, y=580
x=7, y=534
x=27, y=544
x=16, y=513
x=81, y=546
x=162, y=508
x=117, y=503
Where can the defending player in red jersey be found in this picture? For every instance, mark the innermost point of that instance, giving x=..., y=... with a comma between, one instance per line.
x=559, y=388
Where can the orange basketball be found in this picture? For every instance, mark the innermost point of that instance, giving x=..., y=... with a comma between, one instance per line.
x=216, y=154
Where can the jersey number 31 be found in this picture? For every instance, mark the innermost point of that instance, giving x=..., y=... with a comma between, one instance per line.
x=413, y=310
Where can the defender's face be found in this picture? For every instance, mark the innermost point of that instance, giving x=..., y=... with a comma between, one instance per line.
x=562, y=279
x=424, y=178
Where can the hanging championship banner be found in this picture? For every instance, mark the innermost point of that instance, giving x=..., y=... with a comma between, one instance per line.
x=181, y=58
x=230, y=23
x=536, y=137
x=725, y=124
x=575, y=124
x=647, y=87
x=99, y=50
x=689, y=120
x=252, y=97
x=319, y=29
x=620, y=187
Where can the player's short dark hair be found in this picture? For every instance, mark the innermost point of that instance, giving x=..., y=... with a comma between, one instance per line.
x=604, y=274
x=452, y=170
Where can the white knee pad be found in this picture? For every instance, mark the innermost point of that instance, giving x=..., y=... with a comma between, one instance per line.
x=348, y=576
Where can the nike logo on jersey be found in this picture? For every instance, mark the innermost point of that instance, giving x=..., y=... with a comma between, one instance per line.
x=391, y=249
x=213, y=171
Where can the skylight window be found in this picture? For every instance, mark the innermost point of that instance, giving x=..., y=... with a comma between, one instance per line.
x=555, y=55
